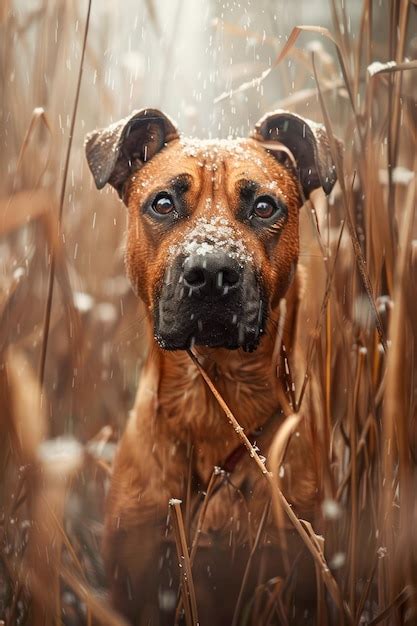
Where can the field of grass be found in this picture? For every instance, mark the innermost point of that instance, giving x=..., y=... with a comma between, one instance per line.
x=71, y=335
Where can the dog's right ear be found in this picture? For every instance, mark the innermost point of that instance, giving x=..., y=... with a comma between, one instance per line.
x=115, y=152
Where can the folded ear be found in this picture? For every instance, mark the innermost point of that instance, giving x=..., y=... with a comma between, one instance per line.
x=115, y=152
x=308, y=143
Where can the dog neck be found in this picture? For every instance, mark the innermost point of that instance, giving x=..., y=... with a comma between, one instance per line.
x=186, y=409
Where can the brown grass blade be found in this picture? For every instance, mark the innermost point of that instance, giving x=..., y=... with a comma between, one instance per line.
x=202, y=514
x=238, y=608
x=23, y=420
x=352, y=231
x=97, y=604
x=397, y=464
x=400, y=599
x=23, y=207
x=353, y=436
x=57, y=463
x=187, y=585
x=296, y=31
x=38, y=119
x=312, y=347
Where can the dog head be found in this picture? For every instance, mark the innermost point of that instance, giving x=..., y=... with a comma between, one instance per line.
x=212, y=225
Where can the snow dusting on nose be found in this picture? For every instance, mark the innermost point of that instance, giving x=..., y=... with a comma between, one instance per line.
x=210, y=236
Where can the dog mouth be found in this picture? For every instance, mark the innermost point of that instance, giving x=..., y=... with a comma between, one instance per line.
x=211, y=334
x=209, y=302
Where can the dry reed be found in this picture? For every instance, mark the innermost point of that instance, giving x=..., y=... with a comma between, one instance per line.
x=358, y=342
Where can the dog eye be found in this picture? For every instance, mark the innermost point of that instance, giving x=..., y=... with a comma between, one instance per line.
x=264, y=208
x=163, y=204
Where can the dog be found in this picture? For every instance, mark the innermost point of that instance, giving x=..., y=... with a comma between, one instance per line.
x=212, y=250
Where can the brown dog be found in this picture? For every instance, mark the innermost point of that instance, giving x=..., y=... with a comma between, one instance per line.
x=212, y=248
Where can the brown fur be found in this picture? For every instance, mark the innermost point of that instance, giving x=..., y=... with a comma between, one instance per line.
x=215, y=171
x=177, y=433
x=175, y=415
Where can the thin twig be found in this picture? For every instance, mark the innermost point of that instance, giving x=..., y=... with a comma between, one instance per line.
x=354, y=485
x=202, y=514
x=361, y=264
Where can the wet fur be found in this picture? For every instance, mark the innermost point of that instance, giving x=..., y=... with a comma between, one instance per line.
x=176, y=426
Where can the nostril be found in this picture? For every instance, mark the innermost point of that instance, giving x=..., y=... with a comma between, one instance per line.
x=212, y=275
x=227, y=278
x=195, y=277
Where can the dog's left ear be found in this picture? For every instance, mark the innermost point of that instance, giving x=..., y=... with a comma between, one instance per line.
x=308, y=143
x=115, y=152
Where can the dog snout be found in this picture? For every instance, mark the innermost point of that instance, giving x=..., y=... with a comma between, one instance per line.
x=213, y=275
x=211, y=300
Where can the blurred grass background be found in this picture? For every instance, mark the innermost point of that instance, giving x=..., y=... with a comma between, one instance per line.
x=197, y=61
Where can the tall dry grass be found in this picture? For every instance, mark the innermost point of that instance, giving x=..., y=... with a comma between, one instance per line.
x=71, y=341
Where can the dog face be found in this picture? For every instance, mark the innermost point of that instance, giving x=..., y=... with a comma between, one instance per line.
x=212, y=225
x=212, y=240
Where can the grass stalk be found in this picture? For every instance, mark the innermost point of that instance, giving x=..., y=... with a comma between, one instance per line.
x=238, y=608
x=51, y=275
x=187, y=586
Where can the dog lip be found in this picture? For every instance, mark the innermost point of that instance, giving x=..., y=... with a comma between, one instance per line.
x=185, y=341
x=171, y=347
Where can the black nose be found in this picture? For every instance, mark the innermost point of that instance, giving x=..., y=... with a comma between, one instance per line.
x=212, y=274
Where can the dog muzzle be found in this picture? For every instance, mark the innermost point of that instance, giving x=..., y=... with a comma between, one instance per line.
x=211, y=300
